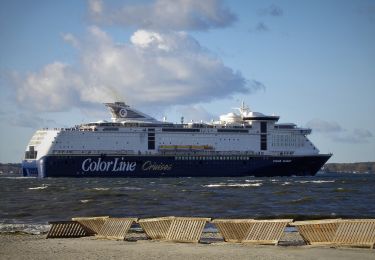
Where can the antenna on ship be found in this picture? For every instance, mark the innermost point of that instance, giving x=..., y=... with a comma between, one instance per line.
x=244, y=110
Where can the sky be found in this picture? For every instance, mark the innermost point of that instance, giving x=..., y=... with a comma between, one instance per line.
x=310, y=62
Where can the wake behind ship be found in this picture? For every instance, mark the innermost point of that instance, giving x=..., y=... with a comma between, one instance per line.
x=136, y=145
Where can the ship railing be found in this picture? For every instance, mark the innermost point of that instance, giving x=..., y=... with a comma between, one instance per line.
x=206, y=152
x=94, y=152
x=167, y=152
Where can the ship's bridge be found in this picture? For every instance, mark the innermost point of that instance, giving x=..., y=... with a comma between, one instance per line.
x=259, y=116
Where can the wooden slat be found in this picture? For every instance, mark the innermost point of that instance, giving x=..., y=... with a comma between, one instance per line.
x=358, y=232
x=186, y=229
x=156, y=228
x=318, y=232
x=91, y=224
x=115, y=228
x=233, y=230
x=66, y=229
x=266, y=231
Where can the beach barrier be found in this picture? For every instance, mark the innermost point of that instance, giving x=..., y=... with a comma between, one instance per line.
x=184, y=229
x=266, y=232
x=317, y=232
x=252, y=231
x=66, y=229
x=91, y=224
x=332, y=232
x=115, y=228
x=355, y=232
x=338, y=232
x=233, y=230
x=156, y=228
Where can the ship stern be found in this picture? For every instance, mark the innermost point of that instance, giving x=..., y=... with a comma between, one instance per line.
x=33, y=168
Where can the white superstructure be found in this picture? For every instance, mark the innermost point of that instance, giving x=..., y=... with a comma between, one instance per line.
x=135, y=133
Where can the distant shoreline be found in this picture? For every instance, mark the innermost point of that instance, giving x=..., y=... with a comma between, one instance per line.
x=358, y=167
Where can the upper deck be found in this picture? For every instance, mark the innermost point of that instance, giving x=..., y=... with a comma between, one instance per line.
x=133, y=132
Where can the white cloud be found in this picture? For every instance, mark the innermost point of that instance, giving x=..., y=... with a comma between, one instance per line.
x=338, y=134
x=69, y=38
x=164, y=14
x=95, y=6
x=272, y=10
x=320, y=125
x=362, y=133
x=155, y=68
x=54, y=88
x=26, y=119
x=195, y=113
x=356, y=136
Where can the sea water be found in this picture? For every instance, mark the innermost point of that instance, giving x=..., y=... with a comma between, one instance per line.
x=31, y=202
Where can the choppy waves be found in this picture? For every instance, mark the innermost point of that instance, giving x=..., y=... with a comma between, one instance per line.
x=34, y=229
x=31, y=200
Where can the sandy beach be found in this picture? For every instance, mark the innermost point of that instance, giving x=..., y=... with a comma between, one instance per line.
x=24, y=246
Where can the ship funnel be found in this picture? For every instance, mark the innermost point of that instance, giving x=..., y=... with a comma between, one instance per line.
x=121, y=112
x=118, y=110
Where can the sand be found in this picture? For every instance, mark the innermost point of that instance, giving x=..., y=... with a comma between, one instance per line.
x=16, y=246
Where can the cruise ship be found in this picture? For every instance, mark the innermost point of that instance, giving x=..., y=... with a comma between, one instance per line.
x=134, y=144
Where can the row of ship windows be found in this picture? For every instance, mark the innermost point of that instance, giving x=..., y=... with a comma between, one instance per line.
x=209, y=158
x=287, y=144
x=229, y=139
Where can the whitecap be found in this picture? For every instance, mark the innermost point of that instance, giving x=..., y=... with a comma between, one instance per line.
x=233, y=185
x=322, y=181
x=247, y=185
x=17, y=177
x=39, y=188
x=215, y=185
x=85, y=201
x=253, y=181
x=127, y=188
x=100, y=189
x=285, y=183
x=132, y=188
x=317, y=181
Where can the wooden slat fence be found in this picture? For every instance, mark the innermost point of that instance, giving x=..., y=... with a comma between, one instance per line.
x=338, y=232
x=356, y=232
x=115, y=228
x=91, y=224
x=335, y=232
x=66, y=229
x=317, y=232
x=185, y=229
x=266, y=231
x=233, y=230
x=156, y=228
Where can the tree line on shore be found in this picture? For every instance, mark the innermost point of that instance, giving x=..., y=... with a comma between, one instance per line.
x=10, y=168
x=360, y=167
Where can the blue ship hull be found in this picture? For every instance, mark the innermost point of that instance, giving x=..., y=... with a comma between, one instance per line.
x=173, y=166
